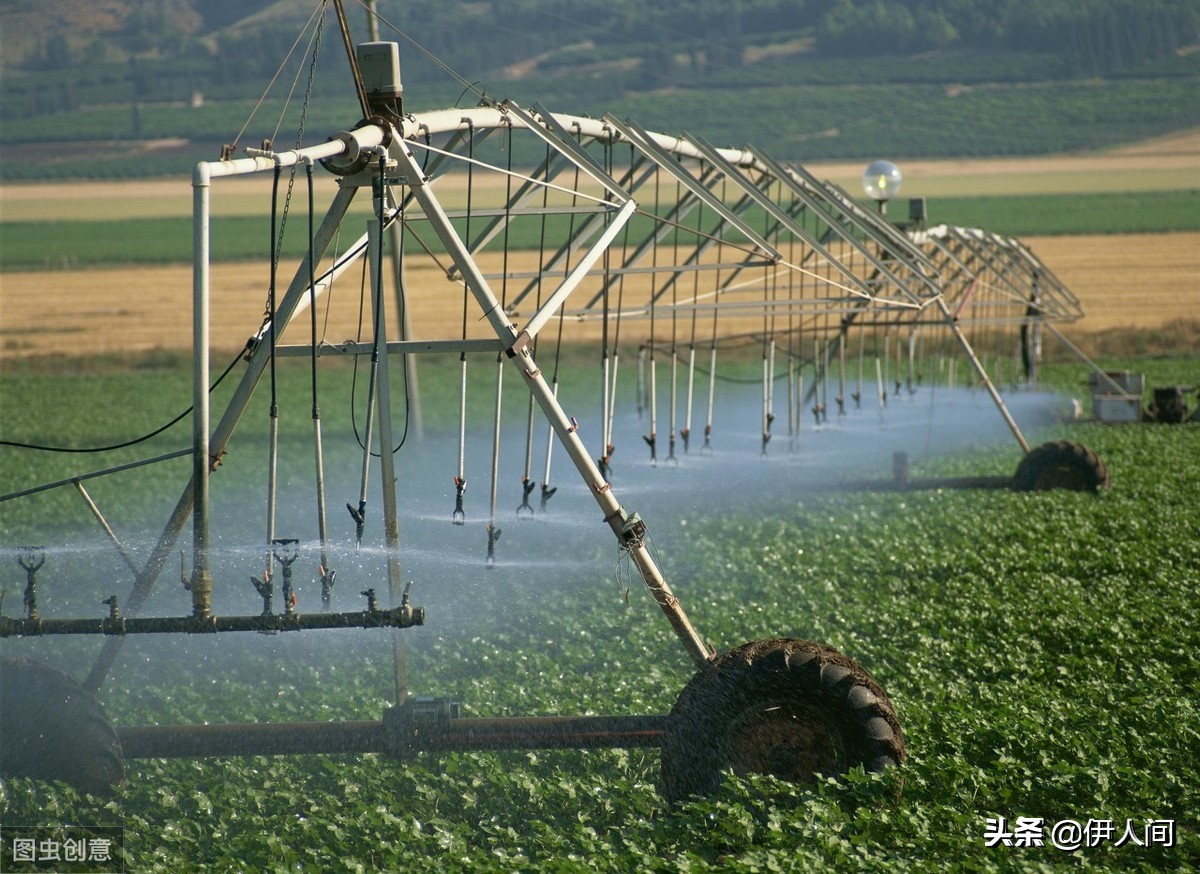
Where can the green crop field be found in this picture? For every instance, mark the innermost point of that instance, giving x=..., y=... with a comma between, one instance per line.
x=1041, y=650
x=832, y=115
x=59, y=244
x=1052, y=214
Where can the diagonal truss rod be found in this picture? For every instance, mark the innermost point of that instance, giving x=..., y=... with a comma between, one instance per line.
x=872, y=224
x=771, y=232
x=799, y=230
x=663, y=226
x=978, y=250
x=781, y=215
x=217, y=444
x=629, y=529
x=709, y=178
x=631, y=182
x=666, y=161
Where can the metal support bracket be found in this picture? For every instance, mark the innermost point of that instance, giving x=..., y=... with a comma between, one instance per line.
x=406, y=725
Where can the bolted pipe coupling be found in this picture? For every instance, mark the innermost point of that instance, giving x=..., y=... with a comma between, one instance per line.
x=357, y=148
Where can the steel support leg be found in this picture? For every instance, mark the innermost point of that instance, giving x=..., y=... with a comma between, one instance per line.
x=387, y=463
x=629, y=529
x=981, y=372
x=297, y=291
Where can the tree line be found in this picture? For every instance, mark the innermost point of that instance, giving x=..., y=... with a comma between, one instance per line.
x=1093, y=36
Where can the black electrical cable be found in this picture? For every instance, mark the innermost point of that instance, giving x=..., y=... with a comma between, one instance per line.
x=41, y=448
x=312, y=293
x=399, y=213
x=403, y=305
x=362, y=304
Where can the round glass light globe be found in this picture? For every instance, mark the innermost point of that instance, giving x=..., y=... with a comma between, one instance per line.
x=882, y=180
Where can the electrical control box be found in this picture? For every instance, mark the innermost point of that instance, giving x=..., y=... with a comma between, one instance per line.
x=379, y=63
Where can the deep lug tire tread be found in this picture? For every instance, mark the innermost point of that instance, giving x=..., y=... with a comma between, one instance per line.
x=1061, y=464
x=54, y=729
x=701, y=739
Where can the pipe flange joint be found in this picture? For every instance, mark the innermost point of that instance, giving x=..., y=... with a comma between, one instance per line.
x=356, y=159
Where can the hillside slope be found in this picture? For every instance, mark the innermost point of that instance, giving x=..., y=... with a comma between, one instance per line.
x=127, y=88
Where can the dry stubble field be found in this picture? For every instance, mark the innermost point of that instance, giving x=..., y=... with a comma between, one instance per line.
x=1127, y=281
x=1123, y=281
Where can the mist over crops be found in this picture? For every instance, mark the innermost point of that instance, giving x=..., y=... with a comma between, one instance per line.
x=1039, y=647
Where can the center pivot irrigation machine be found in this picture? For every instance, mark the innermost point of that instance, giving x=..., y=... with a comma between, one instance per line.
x=561, y=229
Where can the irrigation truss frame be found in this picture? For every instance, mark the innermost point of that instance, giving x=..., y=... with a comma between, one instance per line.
x=699, y=247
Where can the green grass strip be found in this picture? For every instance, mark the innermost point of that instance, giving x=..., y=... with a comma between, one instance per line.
x=54, y=245
x=1052, y=214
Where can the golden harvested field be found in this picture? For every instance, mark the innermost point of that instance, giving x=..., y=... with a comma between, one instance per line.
x=1163, y=163
x=1129, y=281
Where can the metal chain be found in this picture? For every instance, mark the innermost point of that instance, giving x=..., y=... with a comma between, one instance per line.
x=287, y=201
x=312, y=71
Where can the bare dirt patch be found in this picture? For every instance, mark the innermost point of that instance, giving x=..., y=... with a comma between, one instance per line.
x=139, y=309
x=1185, y=142
x=1059, y=174
x=136, y=198
x=1163, y=163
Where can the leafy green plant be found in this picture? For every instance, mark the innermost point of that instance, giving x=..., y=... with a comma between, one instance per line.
x=1040, y=649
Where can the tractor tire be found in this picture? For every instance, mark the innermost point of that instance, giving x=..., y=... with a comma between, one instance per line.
x=793, y=709
x=54, y=729
x=1061, y=464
